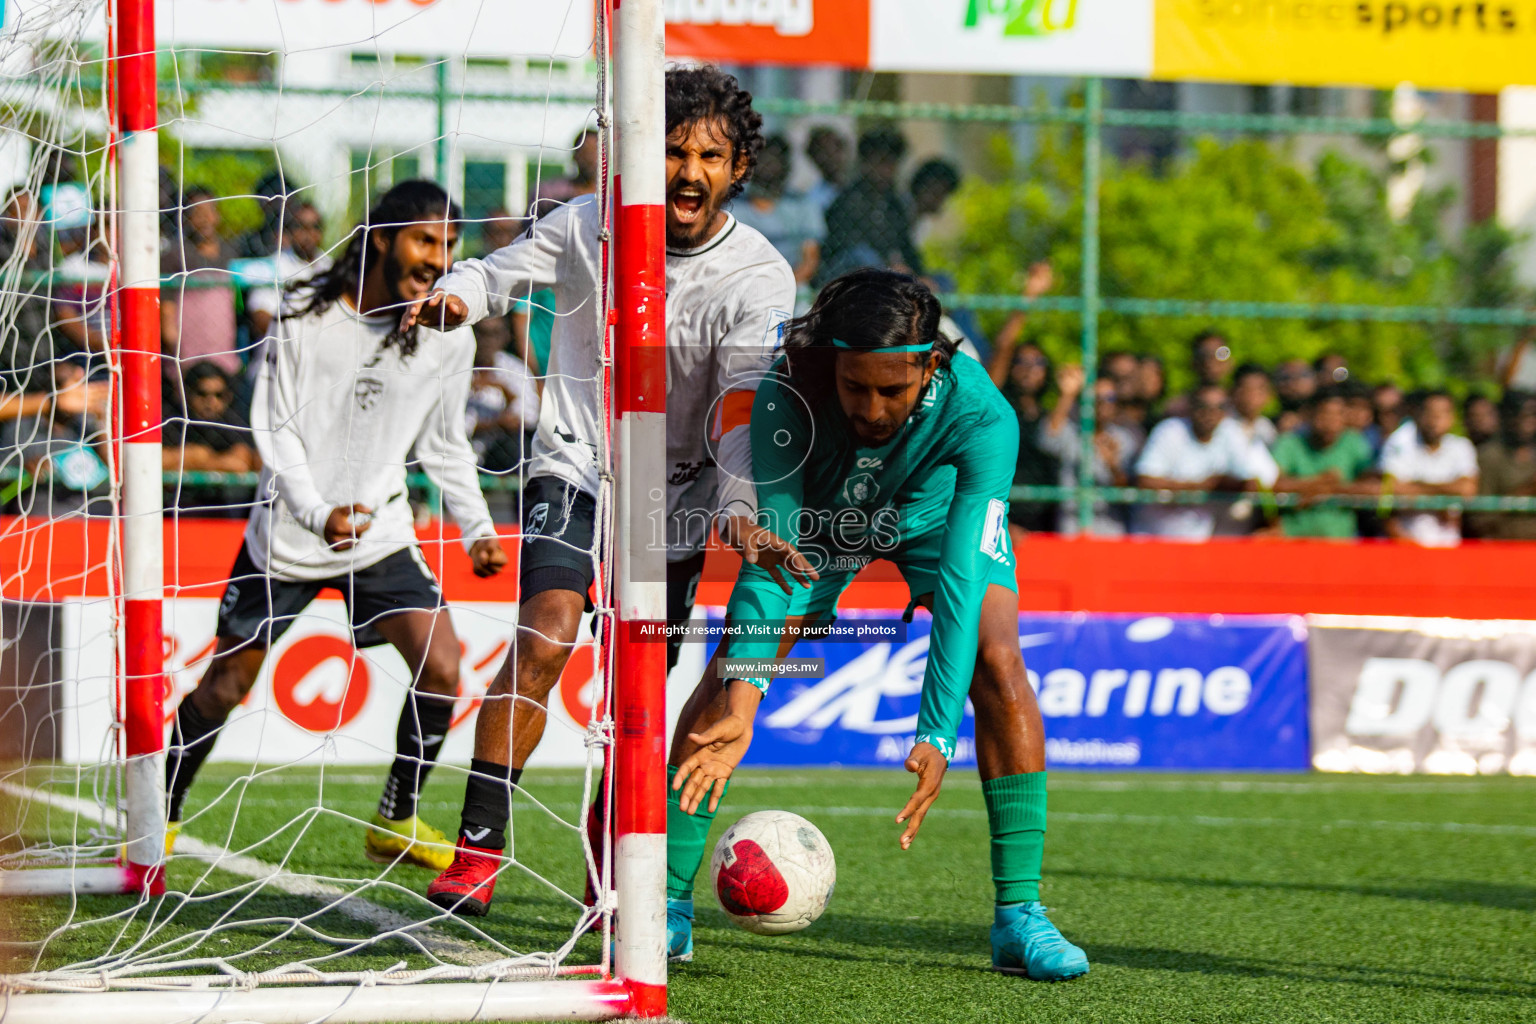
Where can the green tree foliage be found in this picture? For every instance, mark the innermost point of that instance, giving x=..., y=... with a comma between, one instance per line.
x=1238, y=221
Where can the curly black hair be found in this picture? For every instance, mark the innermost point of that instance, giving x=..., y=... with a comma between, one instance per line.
x=866, y=310
x=706, y=93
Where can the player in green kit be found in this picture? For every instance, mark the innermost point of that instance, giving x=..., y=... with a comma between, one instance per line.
x=873, y=439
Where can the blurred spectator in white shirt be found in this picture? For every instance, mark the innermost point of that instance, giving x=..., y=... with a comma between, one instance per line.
x=1423, y=457
x=1207, y=452
x=1251, y=395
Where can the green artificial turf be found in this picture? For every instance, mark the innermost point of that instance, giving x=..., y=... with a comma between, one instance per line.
x=1197, y=898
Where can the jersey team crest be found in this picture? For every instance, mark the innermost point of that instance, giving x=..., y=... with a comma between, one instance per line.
x=860, y=489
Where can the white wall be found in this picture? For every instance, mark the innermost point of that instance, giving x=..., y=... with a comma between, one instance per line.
x=1517, y=175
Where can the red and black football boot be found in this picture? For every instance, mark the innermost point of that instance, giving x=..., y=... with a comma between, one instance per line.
x=468, y=884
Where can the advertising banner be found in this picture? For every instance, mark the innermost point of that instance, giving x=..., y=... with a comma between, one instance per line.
x=770, y=31
x=1022, y=37
x=1435, y=44
x=1115, y=691
x=316, y=698
x=1443, y=696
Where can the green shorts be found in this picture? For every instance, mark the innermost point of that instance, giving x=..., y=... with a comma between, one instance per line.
x=917, y=559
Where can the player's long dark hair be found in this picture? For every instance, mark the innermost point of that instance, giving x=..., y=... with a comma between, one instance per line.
x=867, y=310
x=706, y=92
x=406, y=203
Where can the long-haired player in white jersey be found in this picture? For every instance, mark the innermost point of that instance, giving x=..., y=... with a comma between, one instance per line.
x=728, y=292
x=343, y=400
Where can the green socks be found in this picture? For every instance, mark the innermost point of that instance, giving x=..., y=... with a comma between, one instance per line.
x=686, y=836
x=1016, y=816
x=1015, y=813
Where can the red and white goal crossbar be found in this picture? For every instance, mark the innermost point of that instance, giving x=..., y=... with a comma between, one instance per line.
x=638, y=401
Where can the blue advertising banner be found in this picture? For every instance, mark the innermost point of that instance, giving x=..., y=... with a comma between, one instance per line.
x=1115, y=691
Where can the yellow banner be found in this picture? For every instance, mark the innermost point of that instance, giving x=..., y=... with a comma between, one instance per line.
x=1436, y=44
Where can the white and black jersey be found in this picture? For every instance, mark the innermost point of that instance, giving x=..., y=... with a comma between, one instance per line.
x=726, y=301
x=336, y=416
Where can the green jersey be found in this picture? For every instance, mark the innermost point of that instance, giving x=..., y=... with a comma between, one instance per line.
x=1349, y=456
x=934, y=500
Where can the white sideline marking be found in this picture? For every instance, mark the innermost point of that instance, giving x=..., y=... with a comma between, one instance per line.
x=355, y=907
x=1088, y=818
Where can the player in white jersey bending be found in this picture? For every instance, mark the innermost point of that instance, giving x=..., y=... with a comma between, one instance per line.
x=728, y=292
x=343, y=398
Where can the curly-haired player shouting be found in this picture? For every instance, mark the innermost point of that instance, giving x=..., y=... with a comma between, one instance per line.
x=728, y=292
x=874, y=440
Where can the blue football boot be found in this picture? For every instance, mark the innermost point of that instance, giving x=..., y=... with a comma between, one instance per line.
x=1024, y=941
x=679, y=930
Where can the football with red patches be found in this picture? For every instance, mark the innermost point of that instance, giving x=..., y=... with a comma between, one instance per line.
x=774, y=872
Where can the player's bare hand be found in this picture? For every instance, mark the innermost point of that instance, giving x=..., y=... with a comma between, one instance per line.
x=770, y=552
x=929, y=766
x=706, y=771
x=487, y=556
x=1069, y=381
x=346, y=524
x=1038, y=280
x=440, y=310
x=81, y=398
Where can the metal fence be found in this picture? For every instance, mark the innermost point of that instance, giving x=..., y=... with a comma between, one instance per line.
x=1086, y=115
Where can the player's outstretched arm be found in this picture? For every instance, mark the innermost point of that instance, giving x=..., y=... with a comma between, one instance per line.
x=720, y=749
x=477, y=288
x=441, y=310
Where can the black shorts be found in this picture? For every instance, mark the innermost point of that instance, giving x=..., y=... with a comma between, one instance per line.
x=559, y=526
x=559, y=530
x=258, y=607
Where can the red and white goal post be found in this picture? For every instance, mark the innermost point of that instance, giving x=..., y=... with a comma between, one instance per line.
x=630, y=982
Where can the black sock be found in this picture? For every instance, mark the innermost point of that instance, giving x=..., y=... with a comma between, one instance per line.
x=488, y=804
x=419, y=737
x=192, y=737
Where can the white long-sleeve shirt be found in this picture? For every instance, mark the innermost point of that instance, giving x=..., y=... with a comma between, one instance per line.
x=336, y=417
x=725, y=303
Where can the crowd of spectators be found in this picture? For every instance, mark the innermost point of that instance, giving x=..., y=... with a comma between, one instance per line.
x=1242, y=434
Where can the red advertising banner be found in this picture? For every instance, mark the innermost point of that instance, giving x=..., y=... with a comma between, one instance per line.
x=43, y=560
x=770, y=31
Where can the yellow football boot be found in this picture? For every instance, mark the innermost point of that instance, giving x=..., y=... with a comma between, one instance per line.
x=411, y=840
